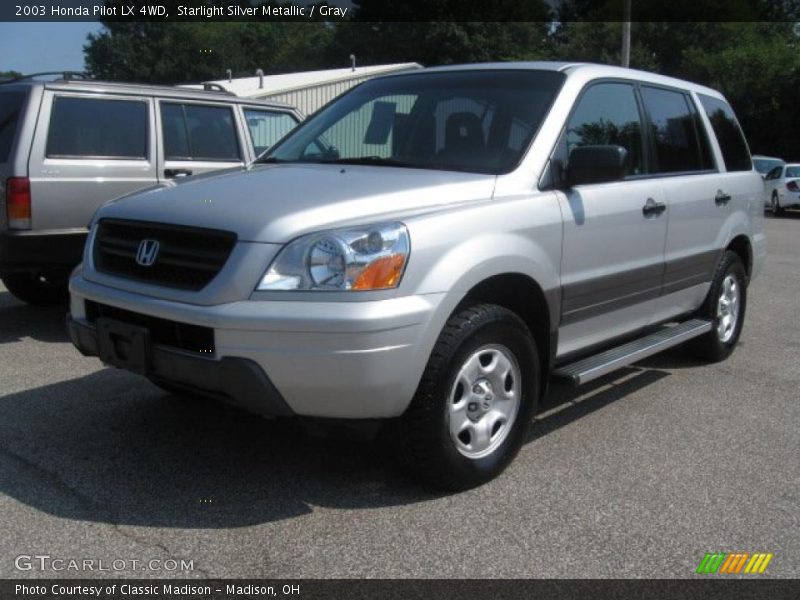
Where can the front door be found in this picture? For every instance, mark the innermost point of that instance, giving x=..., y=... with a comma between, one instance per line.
x=614, y=233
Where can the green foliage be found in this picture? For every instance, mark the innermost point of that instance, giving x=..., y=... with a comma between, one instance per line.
x=9, y=74
x=200, y=49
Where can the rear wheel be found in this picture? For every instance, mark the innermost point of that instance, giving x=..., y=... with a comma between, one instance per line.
x=476, y=400
x=42, y=288
x=725, y=307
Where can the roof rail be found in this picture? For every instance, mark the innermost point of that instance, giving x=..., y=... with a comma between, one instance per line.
x=65, y=75
x=210, y=86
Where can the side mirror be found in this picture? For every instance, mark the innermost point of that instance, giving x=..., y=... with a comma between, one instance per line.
x=596, y=164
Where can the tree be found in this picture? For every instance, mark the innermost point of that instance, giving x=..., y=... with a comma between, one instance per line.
x=9, y=75
x=199, y=49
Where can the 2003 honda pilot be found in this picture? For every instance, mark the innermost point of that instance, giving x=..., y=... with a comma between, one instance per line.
x=430, y=248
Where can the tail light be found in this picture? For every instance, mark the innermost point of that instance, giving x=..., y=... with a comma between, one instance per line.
x=792, y=186
x=18, y=202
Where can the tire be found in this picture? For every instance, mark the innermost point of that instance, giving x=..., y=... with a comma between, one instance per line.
x=776, y=205
x=725, y=306
x=46, y=288
x=489, y=350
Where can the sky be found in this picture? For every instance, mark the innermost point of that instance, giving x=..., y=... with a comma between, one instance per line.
x=36, y=47
x=33, y=47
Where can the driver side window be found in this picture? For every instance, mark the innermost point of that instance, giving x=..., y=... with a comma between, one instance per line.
x=608, y=113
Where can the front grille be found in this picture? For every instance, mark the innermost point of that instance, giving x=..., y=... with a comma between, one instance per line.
x=183, y=336
x=188, y=257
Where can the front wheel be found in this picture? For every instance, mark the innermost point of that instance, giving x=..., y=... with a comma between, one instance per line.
x=776, y=205
x=476, y=401
x=724, y=307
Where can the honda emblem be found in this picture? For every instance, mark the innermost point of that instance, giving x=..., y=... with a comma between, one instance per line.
x=147, y=253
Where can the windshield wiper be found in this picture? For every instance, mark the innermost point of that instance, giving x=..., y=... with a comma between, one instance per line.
x=371, y=160
x=270, y=159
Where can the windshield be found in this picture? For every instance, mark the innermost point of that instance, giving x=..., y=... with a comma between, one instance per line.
x=478, y=121
x=10, y=106
x=793, y=171
x=765, y=165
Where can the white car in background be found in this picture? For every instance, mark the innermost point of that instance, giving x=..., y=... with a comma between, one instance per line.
x=764, y=164
x=782, y=187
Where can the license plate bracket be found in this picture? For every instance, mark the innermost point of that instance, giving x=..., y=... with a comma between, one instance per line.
x=123, y=345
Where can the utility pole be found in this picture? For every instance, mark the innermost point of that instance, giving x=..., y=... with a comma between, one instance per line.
x=626, y=34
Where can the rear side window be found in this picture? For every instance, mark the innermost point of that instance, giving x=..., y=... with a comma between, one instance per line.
x=680, y=142
x=10, y=108
x=729, y=134
x=196, y=132
x=267, y=127
x=97, y=128
x=607, y=113
x=793, y=171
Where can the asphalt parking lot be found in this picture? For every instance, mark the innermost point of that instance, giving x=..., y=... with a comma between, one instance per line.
x=636, y=476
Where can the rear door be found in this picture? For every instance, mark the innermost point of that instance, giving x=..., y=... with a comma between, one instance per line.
x=88, y=149
x=695, y=192
x=703, y=202
x=613, y=247
x=197, y=137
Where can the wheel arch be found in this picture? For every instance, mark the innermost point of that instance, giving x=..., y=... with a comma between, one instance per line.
x=741, y=245
x=522, y=295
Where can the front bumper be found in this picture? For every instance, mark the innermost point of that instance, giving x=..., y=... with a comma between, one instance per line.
x=41, y=249
x=351, y=360
x=238, y=380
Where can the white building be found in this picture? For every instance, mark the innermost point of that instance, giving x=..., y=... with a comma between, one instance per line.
x=307, y=90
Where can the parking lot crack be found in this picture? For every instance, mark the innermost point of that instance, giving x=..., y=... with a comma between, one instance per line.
x=129, y=535
x=56, y=480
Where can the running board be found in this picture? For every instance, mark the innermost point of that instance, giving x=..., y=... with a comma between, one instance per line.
x=601, y=364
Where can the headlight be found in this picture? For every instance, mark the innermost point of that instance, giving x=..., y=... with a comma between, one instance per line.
x=362, y=258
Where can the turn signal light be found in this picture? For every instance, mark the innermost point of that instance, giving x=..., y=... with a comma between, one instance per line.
x=381, y=274
x=18, y=202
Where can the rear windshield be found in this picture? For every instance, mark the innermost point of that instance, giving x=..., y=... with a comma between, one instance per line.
x=477, y=121
x=792, y=171
x=10, y=109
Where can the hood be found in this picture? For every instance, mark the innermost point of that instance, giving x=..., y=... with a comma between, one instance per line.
x=275, y=203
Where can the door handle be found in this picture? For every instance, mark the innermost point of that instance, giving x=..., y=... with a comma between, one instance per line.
x=177, y=172
x=721, y=199
x=652, y=208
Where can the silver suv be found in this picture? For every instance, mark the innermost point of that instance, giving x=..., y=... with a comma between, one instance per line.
x=430, y=248
x=68, y=146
